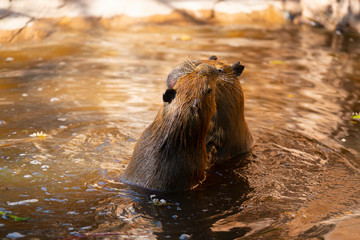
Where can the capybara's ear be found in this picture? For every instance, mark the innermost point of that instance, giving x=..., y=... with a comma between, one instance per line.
x=172, y=79
x=213, y=57
x=169, y=95
x=237, y=68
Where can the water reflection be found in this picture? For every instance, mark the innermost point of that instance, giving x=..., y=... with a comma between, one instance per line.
x=93, y=99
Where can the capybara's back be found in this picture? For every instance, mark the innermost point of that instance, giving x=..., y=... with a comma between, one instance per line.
x=171, y=153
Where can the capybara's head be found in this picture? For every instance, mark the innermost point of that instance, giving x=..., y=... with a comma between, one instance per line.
x=234, y=69
x=192, y=98
x=228, y=131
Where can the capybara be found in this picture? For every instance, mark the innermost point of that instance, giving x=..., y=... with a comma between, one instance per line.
x=171, y=153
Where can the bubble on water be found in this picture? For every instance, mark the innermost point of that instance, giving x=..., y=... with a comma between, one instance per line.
x=2, y=122
x=54, y=99
x=61, y=119
x=28, y=176
x=35, y=162
x=9, y=59
x=80, y=201
x=2, y=225
x=63, y=127
x=162, y=202
x=45, y=167
x=25, y=95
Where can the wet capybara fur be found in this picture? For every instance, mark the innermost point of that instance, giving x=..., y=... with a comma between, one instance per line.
x=228, y=135
x=171, y=153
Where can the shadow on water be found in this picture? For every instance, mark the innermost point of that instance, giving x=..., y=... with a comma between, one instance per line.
x=210, y=202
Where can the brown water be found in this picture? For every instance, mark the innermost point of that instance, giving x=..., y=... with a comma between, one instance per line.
x=94, y=93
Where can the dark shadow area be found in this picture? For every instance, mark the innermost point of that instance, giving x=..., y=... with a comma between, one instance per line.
x=192, y=212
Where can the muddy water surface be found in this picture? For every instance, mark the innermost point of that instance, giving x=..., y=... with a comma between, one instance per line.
x=93, y=94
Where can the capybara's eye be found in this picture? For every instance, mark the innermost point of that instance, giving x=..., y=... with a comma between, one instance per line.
x=169, y=95
x=221, y=70
x=209, y=91
x=213, y=57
